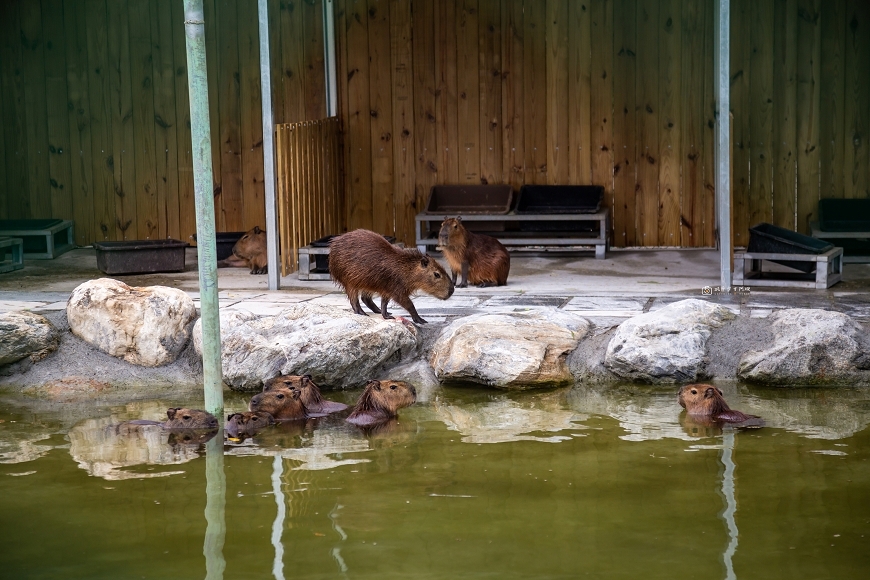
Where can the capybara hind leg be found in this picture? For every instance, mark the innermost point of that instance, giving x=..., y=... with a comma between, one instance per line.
x=385, y=301
x=409, y=306
x=486, y=284
x=353, y=298
x=367, y=300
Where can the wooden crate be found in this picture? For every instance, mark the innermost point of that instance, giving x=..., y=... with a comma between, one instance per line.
x=748, y=270
x=51, y=241
x=16, y=254
x=834, y=237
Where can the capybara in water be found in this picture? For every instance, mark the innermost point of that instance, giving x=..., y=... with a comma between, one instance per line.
x=309, y=393
x=247, y=423
x=381, y=401
x=282, y=403
x=482, y=260
x=249, y=251
x=707, y=401
x=179, y=418
x=364, y=263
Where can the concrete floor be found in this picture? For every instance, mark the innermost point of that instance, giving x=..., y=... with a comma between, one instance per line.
x=624, y=284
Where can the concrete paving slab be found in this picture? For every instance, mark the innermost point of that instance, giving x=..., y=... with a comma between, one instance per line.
x=606, y=303
x=13, y=305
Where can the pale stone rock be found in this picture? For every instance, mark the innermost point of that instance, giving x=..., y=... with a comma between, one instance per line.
x=25, y=334
x=517, y=350
x=147, y=326
x=665, y=346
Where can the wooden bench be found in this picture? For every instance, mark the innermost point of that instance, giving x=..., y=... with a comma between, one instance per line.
x=834, y=237
x=748, y=270
x=43, y=239
x=14, y=248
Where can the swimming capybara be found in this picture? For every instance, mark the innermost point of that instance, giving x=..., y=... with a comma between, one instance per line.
x=707, y=401
x=282, y=403
x=247, y=423
x=482, y=260
x=364, y=263
x=381, y=401
x=179, y=418
x=249, y=251
x=309, y=393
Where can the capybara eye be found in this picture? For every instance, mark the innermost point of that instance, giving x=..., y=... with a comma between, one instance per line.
x=392, y=387
x=186, y=417
x=437, y=275
x=694, y=392
x=280, y=396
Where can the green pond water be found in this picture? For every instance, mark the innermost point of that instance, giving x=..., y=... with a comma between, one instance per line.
x=574, y=483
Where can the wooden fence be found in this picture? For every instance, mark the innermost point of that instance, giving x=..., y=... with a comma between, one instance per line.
x=310, y=185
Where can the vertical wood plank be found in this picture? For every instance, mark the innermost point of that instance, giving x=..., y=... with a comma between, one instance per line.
x=381, y=114
x=213, y=14
x=276, y=68
x=535, y=91
x=292, y=57
x=251, y=126
x=648, y=158
x=359, y=117
x=314, y=73
x=670, y=106
x=785, y=48
x=101, y=121
x=186, y=203
x=831, y=110
x=141, y=75
x=403, y=120
x=694, y=68
x=857, y=87
x=13, y=114
x=809, y=53
x=446, y=93
x=761, y=113
x=601, y=146
x=491, y=123
x=468, y=87
x=740, y=105
x=230, y=141
x=425, y=86
x=513, y=138
x=624, y=120
x=707, y=200
x=79, y=120
x=558, y=117
x=580, y=92
x=165, y=121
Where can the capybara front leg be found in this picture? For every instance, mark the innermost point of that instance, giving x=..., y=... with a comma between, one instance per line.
x=409, y=306
x=464, y=282
x=367, y=299
x=353, y=298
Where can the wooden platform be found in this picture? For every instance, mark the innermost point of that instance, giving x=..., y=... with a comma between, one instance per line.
x=834, y=236
x=43, y=239
x=749, y=270
x=14, y=248
x=598, y=239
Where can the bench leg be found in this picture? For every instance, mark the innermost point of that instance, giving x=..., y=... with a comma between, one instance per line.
x=599, y=251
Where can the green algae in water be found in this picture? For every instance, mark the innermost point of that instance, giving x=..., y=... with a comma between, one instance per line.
x=597, y=483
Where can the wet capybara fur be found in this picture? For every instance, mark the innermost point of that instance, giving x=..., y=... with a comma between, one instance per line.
x=282, y=403
x=482, y=260
x=249, y=251
x=364, y=264
x=381, y=401
x=179, y=418
x=309, y=393
x=247, y=423
x=706, y=401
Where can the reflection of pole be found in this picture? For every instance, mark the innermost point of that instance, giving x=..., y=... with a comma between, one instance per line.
x=215, y=507
x=730, y=503
x=278, y=525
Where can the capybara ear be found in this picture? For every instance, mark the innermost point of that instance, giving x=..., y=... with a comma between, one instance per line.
x=374, y=383
x=710, y=392
x=257, y=230
x=459, y=218
x=720, y=392
x=307, y=378
x=424, y=261
x=170, y=412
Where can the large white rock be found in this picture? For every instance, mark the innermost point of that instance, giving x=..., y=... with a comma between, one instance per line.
x=147, y=326
x=810, y=347
x=25, y=334
x=517, y=350
x=336, y=348
x=665, y=346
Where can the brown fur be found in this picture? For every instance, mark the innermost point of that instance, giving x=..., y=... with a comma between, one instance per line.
x=309, y=393
x=282, y=403
x=250, y=251
x=181, y=418
x=364, y=263
x=707, y=401
x=381, y=401
x=482, y=260
x=247, y=423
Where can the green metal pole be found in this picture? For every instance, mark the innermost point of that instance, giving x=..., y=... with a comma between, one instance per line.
x=194, y=27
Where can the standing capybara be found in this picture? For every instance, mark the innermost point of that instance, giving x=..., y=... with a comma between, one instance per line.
x=309, y=393
x=181, y=418
x=282, y=403
x=381, y=401
x=364, y=263
x=249, y=251
x=707, y=401
x=247, y=423
x=482, y=260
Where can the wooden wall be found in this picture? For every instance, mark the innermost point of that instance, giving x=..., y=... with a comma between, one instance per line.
x=95, y=113
x=611, y=92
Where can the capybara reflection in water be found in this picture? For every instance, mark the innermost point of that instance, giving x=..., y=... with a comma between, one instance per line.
x=707, y=401
x=247, y=423
x=250, y=252
x=309, y=393
x=482, y=260
x=282, y=403
x=381, y=401
x=179, y=418
x=364, y=264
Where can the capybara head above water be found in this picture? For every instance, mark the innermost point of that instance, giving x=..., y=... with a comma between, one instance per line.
x=309, y=393
x=181, y=418
x=381, y=400
x=707, y=401
x=364, y=264
x=282, y=403
x=247, y=423
x=251, y=248
x=482, y=260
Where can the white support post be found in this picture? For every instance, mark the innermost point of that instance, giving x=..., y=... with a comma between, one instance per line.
x=329, y=59
x=723, y=137
x=268, y=148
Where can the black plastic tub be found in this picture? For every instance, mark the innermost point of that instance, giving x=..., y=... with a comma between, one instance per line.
x=321, y=261
x=224, y=242
x=448, y=200
x=140, y=256
x=844, y=215
x=560, y=199
x=766, y=238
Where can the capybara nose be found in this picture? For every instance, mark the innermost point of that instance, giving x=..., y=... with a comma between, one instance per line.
x=413, y=391
x=452, y=288
x=255, y=402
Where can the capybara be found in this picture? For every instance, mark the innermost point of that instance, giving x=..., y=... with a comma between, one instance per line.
x=700, y=400
x=249, y=251
x=482, y=260
x=381, y=401
x=364, y=263
x=179, y=418
x=282, y=403
x=309, y=393
x=247, y=423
